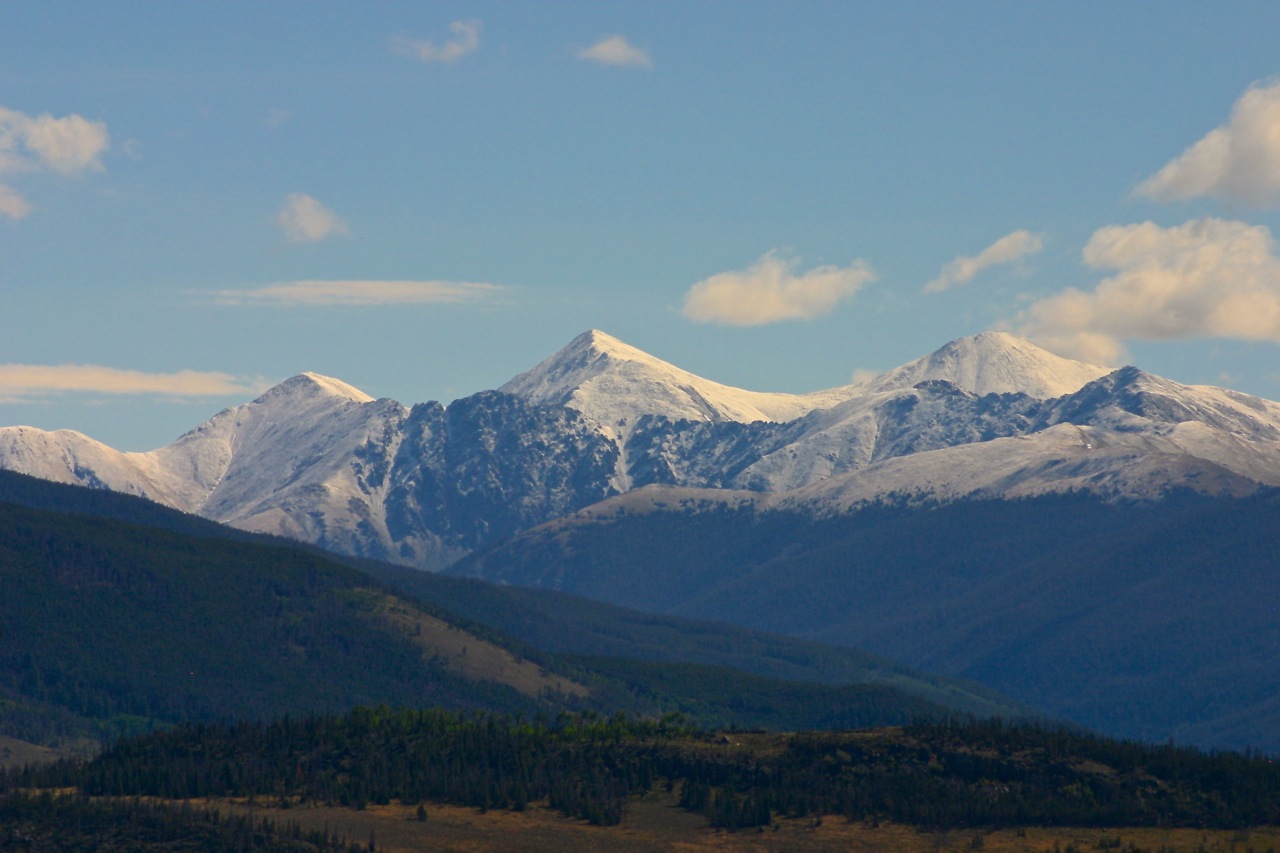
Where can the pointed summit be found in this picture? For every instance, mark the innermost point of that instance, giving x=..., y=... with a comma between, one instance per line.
x=614, y=383
x=313, y=385
x=994, y=363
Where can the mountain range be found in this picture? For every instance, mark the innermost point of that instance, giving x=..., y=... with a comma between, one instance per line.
x=1099, y=544
x=992, y=415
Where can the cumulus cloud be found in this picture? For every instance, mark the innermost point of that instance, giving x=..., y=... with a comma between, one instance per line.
x=466, y=39
x=1208, y=278
x=1239, y=161
x=66, y=145
x=616, y=51
x=27, y=381
x=305, y=220
x=34, y=143
x=290, y=293
x=1008, y=249
x=12, y=204
x=770, y=291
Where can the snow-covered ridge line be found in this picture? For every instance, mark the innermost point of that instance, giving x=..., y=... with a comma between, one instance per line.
x=994, y=363
x=318, y=460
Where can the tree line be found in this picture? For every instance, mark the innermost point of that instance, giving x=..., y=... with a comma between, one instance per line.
x=935, y=775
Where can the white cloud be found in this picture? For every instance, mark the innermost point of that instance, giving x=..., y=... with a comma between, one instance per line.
x=305, y=220
x=66, y=145
x=12, y=204
x=1208, y=278
x=771, y=291
x=1239, y=161
x=616, y=51
x=466, y=39
x=26, y=381
x=1008, y=249
x=291, y=293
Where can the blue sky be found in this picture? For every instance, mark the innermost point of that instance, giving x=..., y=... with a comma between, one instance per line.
x=423, y=199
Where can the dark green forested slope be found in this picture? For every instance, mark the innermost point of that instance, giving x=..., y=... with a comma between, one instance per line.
x=106, y=627
x=128, y=625
x=572, y=625
x=35, y=493
x=1149, y=621
x=539, y=621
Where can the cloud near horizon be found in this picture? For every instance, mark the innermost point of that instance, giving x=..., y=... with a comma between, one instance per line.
x=466, y=39
x=770, y=291
x=1239, y=161
x=1007, y=250
x=292, y=293
x=19, y=382
x=618, y=52
x=1207, y=278
x=303, y=219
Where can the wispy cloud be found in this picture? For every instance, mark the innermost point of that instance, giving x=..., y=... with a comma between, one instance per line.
x=12, y=204
x=290, y=293
x=770, y=291
x=67, y=145
x=31, y=381
x=466, y=39
x=1008, y=249
x=305, y=220
x=616, y=51
x=1239, y=161
x=1208, y=278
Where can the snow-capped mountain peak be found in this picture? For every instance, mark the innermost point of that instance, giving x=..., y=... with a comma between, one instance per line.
x=614, y=383
x=315, y=385
x=994, y=363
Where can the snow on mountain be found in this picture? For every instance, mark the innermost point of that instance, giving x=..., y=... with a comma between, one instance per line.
x=1235, y=430
x=318, y=460
x=1130, y=399
x=614, y=384
x=66, y=456
x=993, y=363
x=1062, y=458
x=931, y=415
x=283, y=464
x=291, y=446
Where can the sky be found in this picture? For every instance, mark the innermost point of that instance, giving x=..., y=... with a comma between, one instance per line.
x=201, y=199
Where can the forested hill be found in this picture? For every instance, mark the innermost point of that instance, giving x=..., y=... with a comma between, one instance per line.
x=121, y=626
x=283, y=607
x=108, y=627
x=1151, y=621
x=930, y=775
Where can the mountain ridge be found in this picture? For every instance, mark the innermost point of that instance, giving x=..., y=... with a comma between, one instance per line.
x=994, y=363
x=1147, y=620
x=318, y=460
